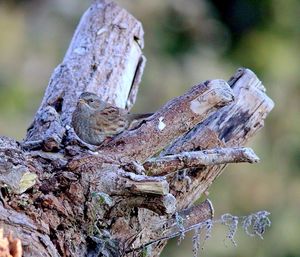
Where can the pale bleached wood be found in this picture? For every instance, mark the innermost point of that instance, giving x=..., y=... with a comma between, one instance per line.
x=104, y=57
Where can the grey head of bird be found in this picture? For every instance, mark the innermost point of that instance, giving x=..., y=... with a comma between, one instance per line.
x=88, y=100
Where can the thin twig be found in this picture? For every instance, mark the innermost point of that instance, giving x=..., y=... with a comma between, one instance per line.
x=171, y=163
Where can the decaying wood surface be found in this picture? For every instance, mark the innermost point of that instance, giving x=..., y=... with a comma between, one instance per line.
x=62, y=197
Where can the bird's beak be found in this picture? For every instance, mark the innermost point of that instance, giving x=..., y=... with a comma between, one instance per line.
x=81, y=101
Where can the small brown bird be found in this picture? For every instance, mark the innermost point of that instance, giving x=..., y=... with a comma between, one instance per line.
x=94, y=120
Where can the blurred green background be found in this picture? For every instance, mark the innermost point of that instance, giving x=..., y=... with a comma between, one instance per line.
x=186, y=42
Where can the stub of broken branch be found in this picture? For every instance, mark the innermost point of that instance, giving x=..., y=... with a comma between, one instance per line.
x=140, y=184
x=160, y=204
x=240, y=120
x=197, y=213
x=171, y=163
x=116, y=181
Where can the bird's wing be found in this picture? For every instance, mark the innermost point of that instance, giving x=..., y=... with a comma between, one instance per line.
x=110, y=120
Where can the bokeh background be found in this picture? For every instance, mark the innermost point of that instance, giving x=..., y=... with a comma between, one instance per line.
x=187, y=41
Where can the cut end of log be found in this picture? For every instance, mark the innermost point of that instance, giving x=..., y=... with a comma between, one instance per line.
x=198, y=213
x=150, y=187
x=218, y=94
x=222, y=91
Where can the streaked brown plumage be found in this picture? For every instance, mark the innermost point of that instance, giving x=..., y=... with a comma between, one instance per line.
x=94, y=120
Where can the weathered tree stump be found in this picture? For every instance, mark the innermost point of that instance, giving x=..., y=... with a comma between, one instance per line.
x=62, y=197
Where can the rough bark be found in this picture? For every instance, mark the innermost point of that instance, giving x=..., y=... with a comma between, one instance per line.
x=62, y=197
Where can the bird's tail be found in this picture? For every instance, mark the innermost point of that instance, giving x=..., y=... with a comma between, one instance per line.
x=138, y=116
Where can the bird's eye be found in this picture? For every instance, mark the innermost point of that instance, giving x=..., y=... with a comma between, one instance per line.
x=91, y=100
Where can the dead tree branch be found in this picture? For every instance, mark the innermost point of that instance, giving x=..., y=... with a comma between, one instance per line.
x=197, y=159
